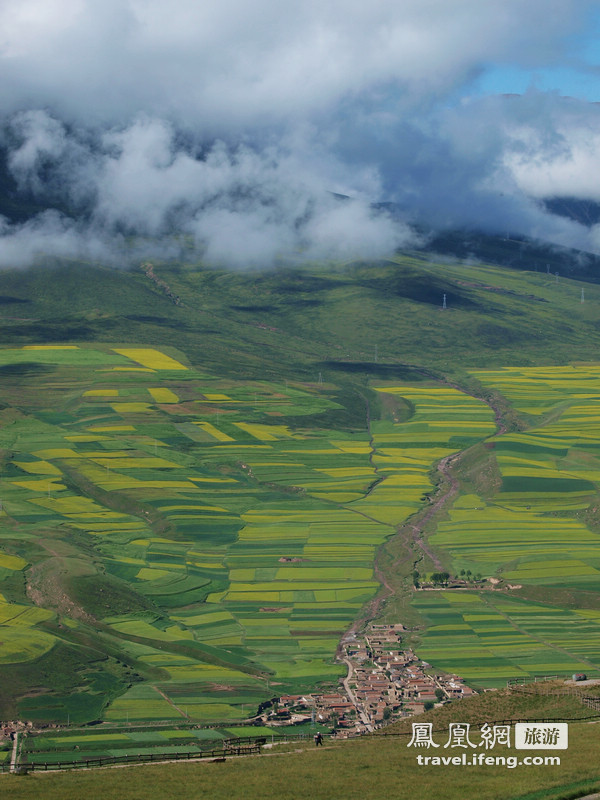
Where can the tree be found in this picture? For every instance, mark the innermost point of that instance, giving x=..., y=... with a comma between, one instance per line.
x=428, y=705
x=439, y=693
x=387, y=713
x=415, y=576
x=440, y=577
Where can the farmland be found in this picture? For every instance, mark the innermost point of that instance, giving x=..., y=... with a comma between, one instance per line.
x=534, y=530
x=215, y=537
x=220, y=543
x=197, y=524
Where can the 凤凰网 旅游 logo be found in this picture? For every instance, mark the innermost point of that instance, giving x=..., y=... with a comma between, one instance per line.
x=462, y=735
x=541, y=735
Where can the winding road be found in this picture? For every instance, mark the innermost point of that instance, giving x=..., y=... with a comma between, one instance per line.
x=346, y=682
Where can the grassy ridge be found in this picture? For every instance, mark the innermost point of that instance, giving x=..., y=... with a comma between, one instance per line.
x=286, y=323
x=383, y=765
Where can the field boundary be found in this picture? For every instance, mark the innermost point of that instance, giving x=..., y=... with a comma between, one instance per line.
x=238, y=746
x=135, y=758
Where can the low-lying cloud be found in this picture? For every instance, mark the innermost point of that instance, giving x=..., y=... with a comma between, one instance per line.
x=238, y=205
x=238, y=129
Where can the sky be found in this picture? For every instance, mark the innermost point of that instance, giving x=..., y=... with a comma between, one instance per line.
x=576, y=75
x=235, y=127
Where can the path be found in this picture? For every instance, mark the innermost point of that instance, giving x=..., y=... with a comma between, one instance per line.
x=346, y=681
x=450, y=485
x=169, y=701
x=14, y=762
x=591, y=797
x=443, y=466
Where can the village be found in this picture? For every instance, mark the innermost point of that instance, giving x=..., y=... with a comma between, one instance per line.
x=385, y=682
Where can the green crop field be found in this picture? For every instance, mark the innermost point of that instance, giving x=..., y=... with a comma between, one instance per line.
x=198, y=523
x=533, y=531
x=238, y=558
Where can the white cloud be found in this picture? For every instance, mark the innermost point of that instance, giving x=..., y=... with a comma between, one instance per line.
x=565, y=165
x=232, y=62
x=234, y=122
x=40, y=138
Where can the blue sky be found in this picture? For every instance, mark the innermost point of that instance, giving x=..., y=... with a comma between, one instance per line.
x=577, y=75
x=567, y=81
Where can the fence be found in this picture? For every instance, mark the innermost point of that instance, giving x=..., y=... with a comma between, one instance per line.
x=237, y=746
x=563, y=690
x=516, y=683
x=137, y=758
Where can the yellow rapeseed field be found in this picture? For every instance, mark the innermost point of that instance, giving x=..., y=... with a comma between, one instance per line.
x=148, y=357
x=163, y=395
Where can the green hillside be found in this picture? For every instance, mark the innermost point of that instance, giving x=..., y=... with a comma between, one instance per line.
x=291, y=322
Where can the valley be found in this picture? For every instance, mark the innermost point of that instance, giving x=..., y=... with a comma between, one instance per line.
x=186, y=535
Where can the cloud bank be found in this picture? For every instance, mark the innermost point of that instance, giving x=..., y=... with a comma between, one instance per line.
x=235, y=128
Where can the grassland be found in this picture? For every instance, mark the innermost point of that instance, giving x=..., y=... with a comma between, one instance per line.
x=376, y=766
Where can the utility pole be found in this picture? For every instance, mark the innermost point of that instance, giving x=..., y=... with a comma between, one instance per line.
x=582, y=300
x=444, y=302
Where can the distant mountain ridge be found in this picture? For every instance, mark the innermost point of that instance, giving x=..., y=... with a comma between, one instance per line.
x=516, y=252
x=586, y=212
x=19, y=206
